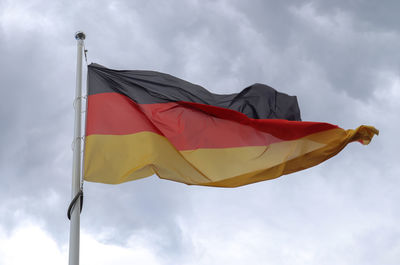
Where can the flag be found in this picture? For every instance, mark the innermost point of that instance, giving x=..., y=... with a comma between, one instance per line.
x=141, y=123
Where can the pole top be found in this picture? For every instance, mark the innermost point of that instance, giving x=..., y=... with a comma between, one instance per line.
x=79, y=35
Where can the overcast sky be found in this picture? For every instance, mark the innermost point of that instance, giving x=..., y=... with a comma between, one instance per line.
x=341, y=59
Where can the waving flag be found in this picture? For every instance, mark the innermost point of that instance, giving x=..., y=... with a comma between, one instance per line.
x=141, y=123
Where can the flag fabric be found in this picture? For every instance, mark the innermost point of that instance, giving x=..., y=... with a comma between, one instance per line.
x=141, y=123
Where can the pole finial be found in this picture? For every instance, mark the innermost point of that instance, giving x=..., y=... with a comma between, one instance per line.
x=79, y=35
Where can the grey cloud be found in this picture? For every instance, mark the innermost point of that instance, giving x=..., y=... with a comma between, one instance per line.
x=373, y=15
x=223, y=46
x=338, y=47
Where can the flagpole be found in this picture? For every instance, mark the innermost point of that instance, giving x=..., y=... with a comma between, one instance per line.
x=76, y=163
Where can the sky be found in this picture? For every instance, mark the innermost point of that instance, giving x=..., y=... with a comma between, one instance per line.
x=341, y=60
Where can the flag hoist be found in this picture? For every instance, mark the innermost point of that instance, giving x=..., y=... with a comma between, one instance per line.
x=76, y=193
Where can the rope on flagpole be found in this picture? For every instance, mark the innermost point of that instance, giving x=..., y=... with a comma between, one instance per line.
x=85, y=51
x=79, y=98
x=73, y=202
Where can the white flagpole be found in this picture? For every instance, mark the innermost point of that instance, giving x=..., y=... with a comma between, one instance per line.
x=76, y=163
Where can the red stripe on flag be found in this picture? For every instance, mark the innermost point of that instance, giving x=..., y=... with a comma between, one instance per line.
x=190, y=125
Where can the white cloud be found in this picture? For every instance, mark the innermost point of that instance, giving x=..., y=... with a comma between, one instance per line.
x=94, y=252
x=29, y=244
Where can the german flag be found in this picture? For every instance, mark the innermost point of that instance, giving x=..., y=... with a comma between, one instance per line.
x=141, y=123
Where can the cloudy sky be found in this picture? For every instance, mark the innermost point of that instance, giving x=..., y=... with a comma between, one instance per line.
x=341, y=59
